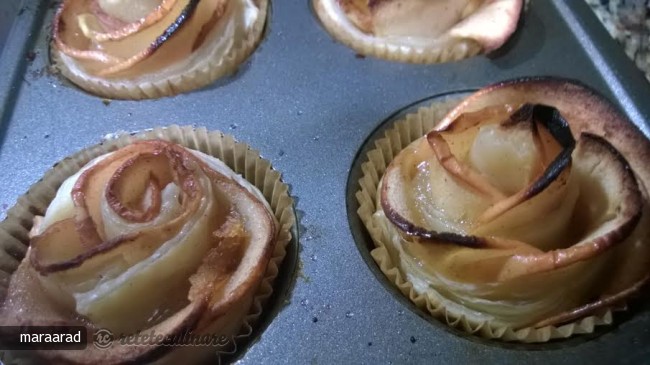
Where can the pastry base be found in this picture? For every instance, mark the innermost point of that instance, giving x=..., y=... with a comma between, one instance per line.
x=203, y=72
x=438, y=50
x=405, y=131
x=240, y=157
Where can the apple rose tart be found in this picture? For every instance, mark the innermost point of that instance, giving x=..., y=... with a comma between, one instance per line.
x=420, y=31
x=523, y=215
x=152, y=238
x=152, y=48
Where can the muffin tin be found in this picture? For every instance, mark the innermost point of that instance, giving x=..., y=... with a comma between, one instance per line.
x=308, y=104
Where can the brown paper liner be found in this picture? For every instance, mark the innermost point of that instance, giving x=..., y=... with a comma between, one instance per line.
x=240, y=157
x=210, y=68
x=405, y=131
x=442, y=49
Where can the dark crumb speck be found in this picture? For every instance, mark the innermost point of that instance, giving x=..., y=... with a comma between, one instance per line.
x=359, y=56
x=106, y=102
x=35, y=74
x=30, y=56
x=314, y=319
x=281, y=153
x=413, y=339
x=46, y=136
x=369, y=343
x=233, y=126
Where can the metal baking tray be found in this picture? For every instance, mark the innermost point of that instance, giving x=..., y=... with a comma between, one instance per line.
x=308, y=104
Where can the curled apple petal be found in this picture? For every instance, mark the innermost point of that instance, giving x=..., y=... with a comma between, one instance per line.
x=107, y=24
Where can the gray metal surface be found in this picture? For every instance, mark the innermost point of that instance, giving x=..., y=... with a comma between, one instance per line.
x=7, y=13
x=308, y=104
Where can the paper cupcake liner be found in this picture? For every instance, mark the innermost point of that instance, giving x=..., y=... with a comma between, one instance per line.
x=238, y=156
x=210, y=68
x=443, y=49
x=405, y=131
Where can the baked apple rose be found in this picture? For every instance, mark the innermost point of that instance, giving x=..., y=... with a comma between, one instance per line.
x=152, y=236
x=421, y=31
x=151, y=48
x=525, y=207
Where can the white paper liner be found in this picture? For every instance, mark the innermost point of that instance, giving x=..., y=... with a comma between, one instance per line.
x=238, y=156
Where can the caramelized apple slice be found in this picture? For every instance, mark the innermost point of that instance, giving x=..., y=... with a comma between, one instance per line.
x=115, y=20
x=180, y=25
x=538, y=132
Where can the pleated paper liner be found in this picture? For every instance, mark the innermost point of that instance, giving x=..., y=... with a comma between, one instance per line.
x=204, y=67
x=238, y=156
x=404, y=131
x=438, y=50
